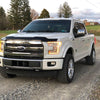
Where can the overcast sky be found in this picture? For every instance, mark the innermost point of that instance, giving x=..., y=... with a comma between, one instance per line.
x=83, y=9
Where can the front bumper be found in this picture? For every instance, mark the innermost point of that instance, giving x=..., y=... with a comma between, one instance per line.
x=41, y=64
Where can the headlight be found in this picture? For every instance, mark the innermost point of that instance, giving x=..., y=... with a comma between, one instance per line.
x=1, y=46
x=55, y=47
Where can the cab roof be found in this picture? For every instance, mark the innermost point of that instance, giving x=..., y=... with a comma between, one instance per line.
x=72, y=19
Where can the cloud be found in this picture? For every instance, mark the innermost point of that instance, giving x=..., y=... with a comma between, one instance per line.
x=54, y=15
x=87, y=14
x=75, y=8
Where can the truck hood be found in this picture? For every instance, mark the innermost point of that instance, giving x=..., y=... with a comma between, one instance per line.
x=40, y=35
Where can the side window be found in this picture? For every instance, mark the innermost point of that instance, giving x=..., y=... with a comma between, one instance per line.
x=79, y=29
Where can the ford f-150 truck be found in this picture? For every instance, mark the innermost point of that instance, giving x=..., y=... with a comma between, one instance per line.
x=47, y=45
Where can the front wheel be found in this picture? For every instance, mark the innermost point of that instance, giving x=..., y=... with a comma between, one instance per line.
x=67, y=73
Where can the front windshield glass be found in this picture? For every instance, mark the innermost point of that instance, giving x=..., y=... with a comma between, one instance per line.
x=62, y=26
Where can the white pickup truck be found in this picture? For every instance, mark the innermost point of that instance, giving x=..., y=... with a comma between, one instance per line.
x=47, y=45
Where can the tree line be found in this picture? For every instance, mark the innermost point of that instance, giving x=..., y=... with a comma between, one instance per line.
x=20, y=14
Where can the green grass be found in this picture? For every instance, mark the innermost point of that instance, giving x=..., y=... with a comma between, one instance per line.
x=6, y=32
x=94, y=29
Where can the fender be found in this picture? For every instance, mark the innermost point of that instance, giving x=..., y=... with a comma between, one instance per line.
x=66, y=49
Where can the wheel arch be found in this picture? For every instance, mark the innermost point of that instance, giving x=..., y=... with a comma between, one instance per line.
x=69, y=50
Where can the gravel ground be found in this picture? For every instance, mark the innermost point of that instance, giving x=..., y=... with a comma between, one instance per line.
x=95, y=92
x=38, y=90
x=91, y=91
x=27, y=91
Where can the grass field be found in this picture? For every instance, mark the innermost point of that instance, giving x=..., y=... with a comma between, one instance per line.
x=94, y=29
x=91, y=29
x=6, y=32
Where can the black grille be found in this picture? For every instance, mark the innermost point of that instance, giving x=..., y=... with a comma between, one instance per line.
x=22, y=63
x=26, y=51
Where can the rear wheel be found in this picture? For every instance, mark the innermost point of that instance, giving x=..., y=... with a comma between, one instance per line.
x=67, y=73
x=5, y=74
x=92, y=58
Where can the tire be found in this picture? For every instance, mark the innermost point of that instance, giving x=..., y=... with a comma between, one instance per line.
x=5, y=74
x=67, y=73
x=90, y=60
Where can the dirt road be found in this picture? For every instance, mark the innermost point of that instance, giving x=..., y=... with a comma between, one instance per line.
x=30, y=88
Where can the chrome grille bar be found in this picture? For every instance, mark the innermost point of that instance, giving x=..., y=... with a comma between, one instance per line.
x=24, y=49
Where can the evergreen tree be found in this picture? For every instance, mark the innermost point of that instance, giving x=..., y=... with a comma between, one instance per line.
x=44, y=14
x=60, y=11
x=65, y=11
x=3, y=20
x=14, y=14
x=19, y=14
x=26, y=14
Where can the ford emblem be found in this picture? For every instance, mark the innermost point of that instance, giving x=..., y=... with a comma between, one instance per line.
x=20, y=48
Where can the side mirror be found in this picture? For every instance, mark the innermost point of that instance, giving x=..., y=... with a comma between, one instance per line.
x=80, y=32
x=19, y=31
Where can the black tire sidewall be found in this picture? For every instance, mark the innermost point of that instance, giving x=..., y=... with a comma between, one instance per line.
x=89, y=59
x=93, y=50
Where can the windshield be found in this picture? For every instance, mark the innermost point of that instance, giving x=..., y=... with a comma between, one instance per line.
x=61, y=26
